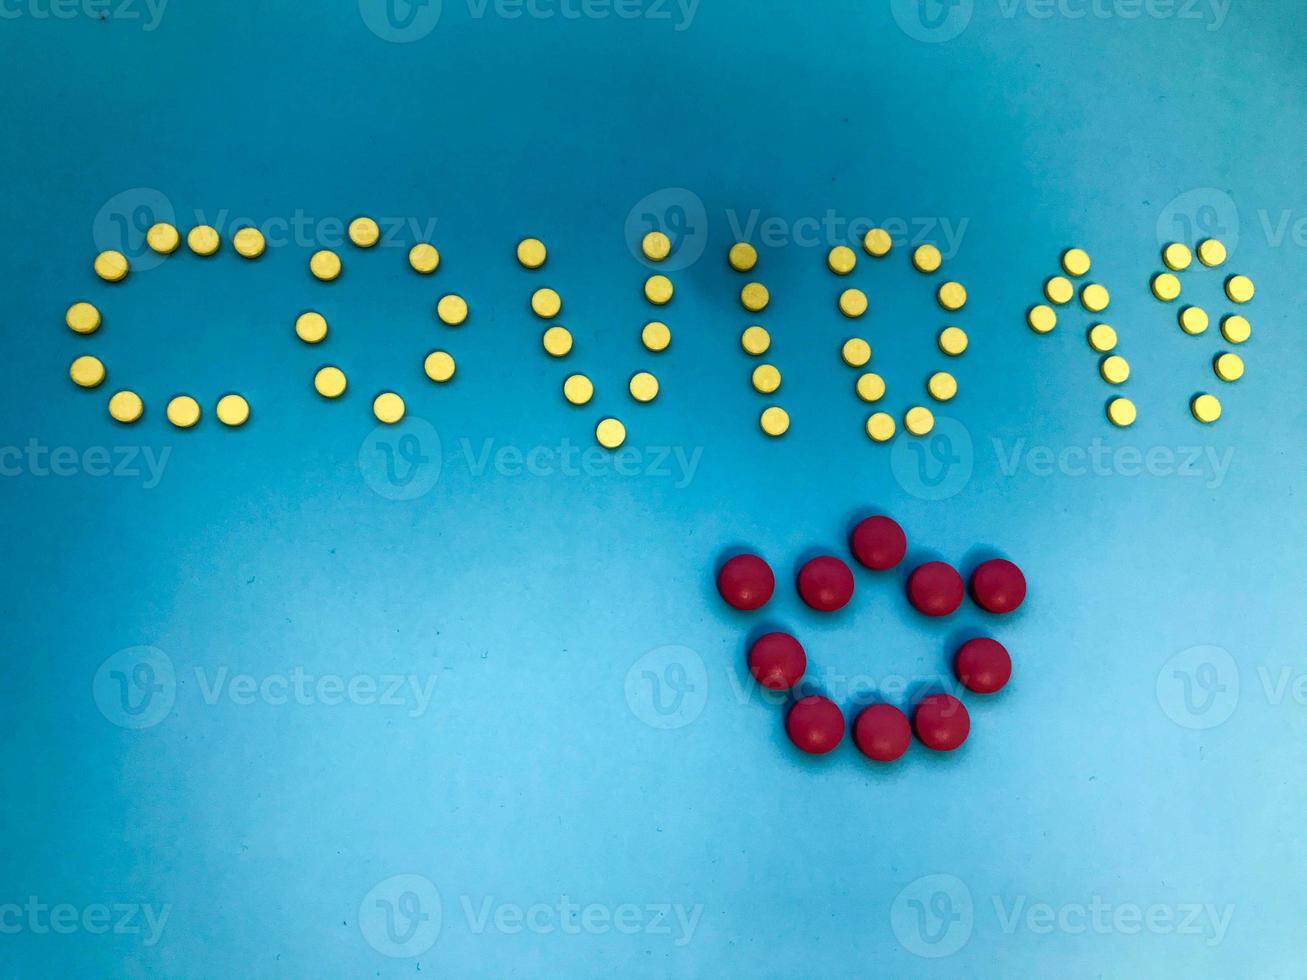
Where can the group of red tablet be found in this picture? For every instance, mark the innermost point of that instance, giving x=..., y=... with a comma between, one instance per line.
x=882, y=732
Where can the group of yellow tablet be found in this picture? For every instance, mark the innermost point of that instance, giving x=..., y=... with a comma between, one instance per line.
x=756, y=341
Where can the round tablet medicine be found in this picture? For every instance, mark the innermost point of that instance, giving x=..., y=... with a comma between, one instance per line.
x=546, y=304
x=1212, y=253
x=452, y=310
x=658, y=290
x=656, y=246
x=203, y=240
x=1177, y=257
x=232, y=410
x=878, y=543
x=853, y=303
x=880, y=427
x=1229, y=367
x=825, y=584
x=1240, y=289
x=952, y=296
x=1166, y=286
x=388, y=407
x=746, y=582
x=856, y=352
x=777, y=661
x=742, y=257
x=82, y=318
x=655, y=336
x=1042, y=319
x=919, y=421
x=755, y=341
x=557, y=341
x=183, y=411
x=1115, y=369
x=578, y=389
x=86, y=371
x=1102, y=338
x=1236, y=329
x=815, y=725
x=1059, y=290
x=125, y=407
x=111, y=266
x=1121, y=412
x=754, y=297
x=882, y=732
x=926, y=258
x=423, y=258
x=364, y=232
x=877, y=243
x=775, y=421
x=1095, y=298
x=1075, y=262
x=870, y=387
x=439, y=366
x=941, y=722
x=942, y=386
x=325, y=265
x=935, y=589
x=998, y=586
x=249, y=243
x=610, y=433
x=983, y=665
x=766, y=379
x=163, y=238
x=1194, y=320
x=953, y=341
x=330, y=382
x=643, y=387
x=1206, y=408
x=311, y=327
x=531, y=253
x=841, y=260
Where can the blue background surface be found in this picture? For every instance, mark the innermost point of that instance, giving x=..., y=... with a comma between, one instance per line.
x=591, y=738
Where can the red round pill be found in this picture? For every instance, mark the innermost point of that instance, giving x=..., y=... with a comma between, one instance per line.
x=746, y=582
x=882, y=732
x=983, y=665
x=815, y=724
x=935, y=589
x=941, y=722
x=826, y=584
x=998, y=586
x=879, y=543
x=777, y=661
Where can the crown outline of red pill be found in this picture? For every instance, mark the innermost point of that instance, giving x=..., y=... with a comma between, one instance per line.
x=882, y=732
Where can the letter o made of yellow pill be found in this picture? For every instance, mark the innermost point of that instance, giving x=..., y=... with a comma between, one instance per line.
x=531, y=253
x=658, y=290
x=1121, y=412
x=86, y=371
x=1102, y=338
x=1095, y=298
x=1059, y=290
x=953, y=341
x=927, y=259
x=856, y=352
x=452, y=310
x=330, y=382
x=423, y=258
x=1240, y=289
x=311, y=327
x=249, y=243
x=126, y=407
x=952, y=296
x=754, y=297
x=1177, y=257
x=82, y=318
x=1075, y=262
x=877, y=243
x=1236, y=329
x=546, y=303
x=1206, y=408
x=919, y=421
x=388, y=407
x=1115, y=369
x=880, y=427
x=656, y=246
x=364, y=232
x=1042, y=319
x=774, y=421
x=203, y=240
x=853, y=303
x=439, y=366
x=325, y=265
x=1194, y=320
x=942, y=386
x=232, y=410
x=870, y=387
x=841, y=260
x=643, y=386
x=557, y=342
x=766, y=379
x=1212, y=253
x=183, y=411
x=755, y=341
x=163, y=238
x=1166, y=286
x=111, y=266
x=578, y=389
x=655, y=336
x=1228, y=367
x=742, y=257
x=610, y=433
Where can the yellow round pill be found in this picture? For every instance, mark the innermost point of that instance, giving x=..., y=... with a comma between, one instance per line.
x=853, y=303
x=754, y=297
x=766, y=379
x=755, y=341
x=163, y=238
x=183, y=411
x=658, y=290
x=452, y=310
x=578, y=389
x=1236, y=329
x=82, y=318
x=1102, y=338
x=743, y=257
x=926, y=258
x=919, y=421
x=1177, y=257
x=546, y=303
x=1240, y=289
x=856, y=352
x=1075, y=262
x=942, y=386
x=1206, y=408
x=610, y=433
x=1095, y=298
x=125, y=407
x=841, y=260
x=952, y=296
x=557, y=341
x=953, y=341
x=1042, y=319
x=111, y=266
x=249, y=243
x=86, y=371
x=1059, y=290
x=424, y=258
x=643, y=386
x=870, y=387
x=330, y=382
x=1229, y=367
x=388, y=407
x=311, y=327
x=1121, y=412
x=656, y=246
x=880, y=427
x=325, y=265
x=203, y=240
x=1212, y=253
x=775, y=421
x=439, y=366
x=1115, y=369
x=655, y=336
x=1166, y=286
x=877, y=243
x=364, y=232
x=1194, y=320
x=531, y=253
x=233, y=410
